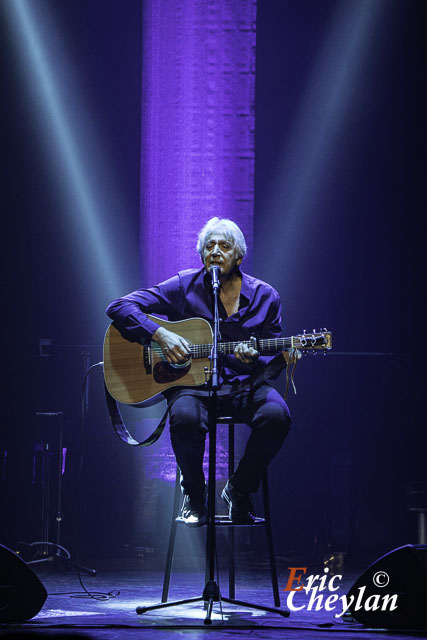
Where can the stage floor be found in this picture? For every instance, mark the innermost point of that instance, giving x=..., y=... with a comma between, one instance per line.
x=125, y=585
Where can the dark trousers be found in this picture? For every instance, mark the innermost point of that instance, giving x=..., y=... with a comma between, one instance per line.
x=262, y=408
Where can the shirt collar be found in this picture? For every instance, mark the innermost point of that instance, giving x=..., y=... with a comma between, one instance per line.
x=245, y=290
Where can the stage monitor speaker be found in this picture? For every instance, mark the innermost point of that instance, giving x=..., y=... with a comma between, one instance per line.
x=401, y=573
x=22, y=595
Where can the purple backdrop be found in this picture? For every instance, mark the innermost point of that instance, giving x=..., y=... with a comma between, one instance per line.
x=197, y=151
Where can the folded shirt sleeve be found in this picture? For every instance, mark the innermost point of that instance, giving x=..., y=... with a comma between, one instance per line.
x=129, y=312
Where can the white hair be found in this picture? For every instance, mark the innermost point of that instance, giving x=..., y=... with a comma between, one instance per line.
x=231, y=232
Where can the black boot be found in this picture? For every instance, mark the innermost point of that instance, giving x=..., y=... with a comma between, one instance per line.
x=194, y=508
x=240, y=505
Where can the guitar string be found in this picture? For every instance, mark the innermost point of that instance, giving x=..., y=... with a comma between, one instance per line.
x=268, y=344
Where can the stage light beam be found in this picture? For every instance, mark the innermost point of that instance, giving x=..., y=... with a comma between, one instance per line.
x=307, y=160
x=67, y=135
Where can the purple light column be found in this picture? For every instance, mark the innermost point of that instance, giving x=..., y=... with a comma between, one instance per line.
x=197, y=151
x=197, y=161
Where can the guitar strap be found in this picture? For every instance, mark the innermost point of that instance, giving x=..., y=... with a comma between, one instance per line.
x=121, y=429
x=271, y=370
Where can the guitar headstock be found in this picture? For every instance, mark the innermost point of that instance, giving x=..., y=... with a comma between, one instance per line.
x=316, y=340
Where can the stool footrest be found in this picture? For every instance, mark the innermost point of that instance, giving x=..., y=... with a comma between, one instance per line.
x=224, y=521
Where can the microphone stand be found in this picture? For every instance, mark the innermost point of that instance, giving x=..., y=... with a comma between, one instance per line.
x=64, y=559
x=211, y=590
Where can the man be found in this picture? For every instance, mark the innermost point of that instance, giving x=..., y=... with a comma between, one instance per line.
x=247, y=307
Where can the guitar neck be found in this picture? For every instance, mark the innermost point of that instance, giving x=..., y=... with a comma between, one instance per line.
x=271, y=345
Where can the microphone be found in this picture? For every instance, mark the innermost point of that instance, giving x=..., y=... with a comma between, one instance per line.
x=215, y=277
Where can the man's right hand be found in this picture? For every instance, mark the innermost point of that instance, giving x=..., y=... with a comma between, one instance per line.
x=175, y=349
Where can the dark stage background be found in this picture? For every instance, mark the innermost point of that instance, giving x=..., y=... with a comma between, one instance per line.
x=339, y=206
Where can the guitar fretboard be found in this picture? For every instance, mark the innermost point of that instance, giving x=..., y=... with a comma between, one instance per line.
x=266, y=346
x=271, y=345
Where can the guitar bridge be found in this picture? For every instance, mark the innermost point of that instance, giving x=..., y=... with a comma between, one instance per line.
x=147, y=359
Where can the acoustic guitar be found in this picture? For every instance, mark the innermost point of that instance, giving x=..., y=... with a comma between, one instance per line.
x=135, y=373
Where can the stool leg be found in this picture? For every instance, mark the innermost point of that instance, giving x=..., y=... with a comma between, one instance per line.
x=269, y=532
x=172, y=536
x=422, y=528
x=231, y=561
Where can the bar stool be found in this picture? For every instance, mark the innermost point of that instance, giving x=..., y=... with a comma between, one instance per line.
x=221, y=521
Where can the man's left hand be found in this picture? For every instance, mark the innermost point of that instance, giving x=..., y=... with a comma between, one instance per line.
x=246, y=354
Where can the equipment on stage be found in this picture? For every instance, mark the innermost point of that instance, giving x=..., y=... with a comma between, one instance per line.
x=47, y=550
x=416, y=498
x=402, y=574
x=22, y=595
x=49, y=452
x=136, y=373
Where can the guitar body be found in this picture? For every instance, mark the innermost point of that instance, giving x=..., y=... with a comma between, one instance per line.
x=134, y=373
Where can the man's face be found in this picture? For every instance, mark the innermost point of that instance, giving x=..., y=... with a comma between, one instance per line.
x=221, y=251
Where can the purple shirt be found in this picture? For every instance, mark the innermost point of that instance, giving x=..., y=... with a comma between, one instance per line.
x=189, y=295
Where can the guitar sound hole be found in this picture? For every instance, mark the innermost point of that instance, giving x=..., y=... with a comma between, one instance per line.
x=179, y=365
x=164, y=372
